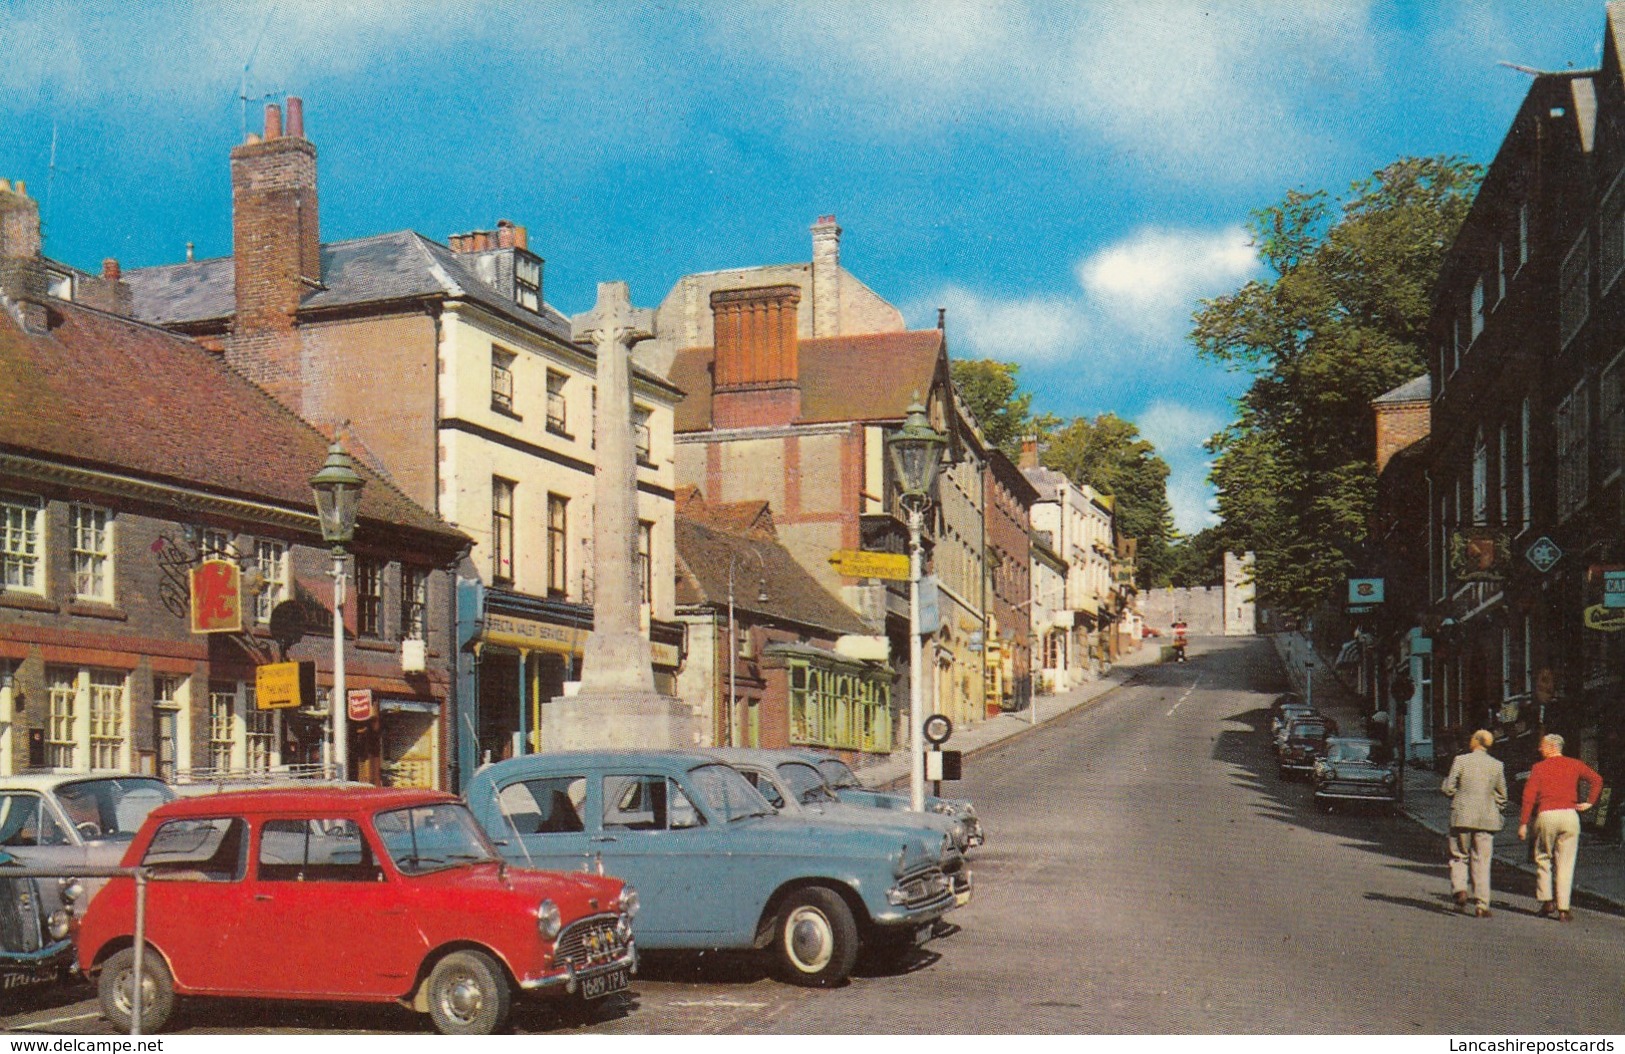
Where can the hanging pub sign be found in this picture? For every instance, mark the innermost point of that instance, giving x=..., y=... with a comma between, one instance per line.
x=1364, y=591
x=284, y=685
x=361, y=705
x=1479, y=554
x=216, y=588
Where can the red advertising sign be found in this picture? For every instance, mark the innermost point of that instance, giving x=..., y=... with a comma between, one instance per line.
x=217, y=597
x=360, y=704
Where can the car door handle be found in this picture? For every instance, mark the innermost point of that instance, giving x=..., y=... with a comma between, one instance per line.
x=262, y=896
x=603, y=838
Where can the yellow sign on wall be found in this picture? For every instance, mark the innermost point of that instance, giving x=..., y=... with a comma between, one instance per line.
x=284, y=685
x=860, y=563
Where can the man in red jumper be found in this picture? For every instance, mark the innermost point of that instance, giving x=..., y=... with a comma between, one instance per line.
x=1552, y=797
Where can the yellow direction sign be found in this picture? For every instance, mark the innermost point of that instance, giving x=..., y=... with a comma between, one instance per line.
x=859, y=563
x=284, y=685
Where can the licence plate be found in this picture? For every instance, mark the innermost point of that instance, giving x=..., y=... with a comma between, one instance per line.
x=604, y=984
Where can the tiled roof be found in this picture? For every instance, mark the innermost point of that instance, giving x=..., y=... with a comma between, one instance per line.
x=383, y=268
x=1417, y=389
x=105, y=392
x=703, y=556
x=865, y=377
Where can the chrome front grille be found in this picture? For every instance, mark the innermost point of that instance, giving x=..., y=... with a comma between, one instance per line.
x=924, y=886
x=594, y=941
x=20, y=915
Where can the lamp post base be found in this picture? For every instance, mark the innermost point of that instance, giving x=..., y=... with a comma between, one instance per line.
x=612, y=720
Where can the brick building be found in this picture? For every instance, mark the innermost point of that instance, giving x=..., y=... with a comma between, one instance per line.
x=461, y=383
x=1009, y=600
x=128, y=455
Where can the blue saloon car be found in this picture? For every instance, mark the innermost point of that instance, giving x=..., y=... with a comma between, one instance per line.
x=715, y=866
x=845, y=783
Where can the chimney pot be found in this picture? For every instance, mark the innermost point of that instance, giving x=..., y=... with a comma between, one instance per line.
x=504, y=234
x=253, y=137
x=521, y=238
x=273, y=121
x=296, y=117
x=188, y=252
x=110, y=270
x=942, y=317
x=22, y=189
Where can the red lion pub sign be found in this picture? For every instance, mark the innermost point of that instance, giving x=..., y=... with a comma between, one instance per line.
x=217, y=597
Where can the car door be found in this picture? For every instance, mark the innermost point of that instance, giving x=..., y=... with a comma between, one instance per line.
x=32, y=830
x=322, y=919
x=196, y=898
x=544, y=822
x=651, y=835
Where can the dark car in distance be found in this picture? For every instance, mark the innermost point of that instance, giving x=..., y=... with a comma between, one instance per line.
x=1305, y=742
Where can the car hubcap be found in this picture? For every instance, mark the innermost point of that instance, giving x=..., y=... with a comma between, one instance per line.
x=462, y=999
x=810, y=939
x=124, y=994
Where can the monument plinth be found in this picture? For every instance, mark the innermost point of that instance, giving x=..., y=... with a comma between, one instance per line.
x=616, y=705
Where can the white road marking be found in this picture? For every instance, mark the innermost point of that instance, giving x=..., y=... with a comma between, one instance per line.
x=1182, y=698
x=737, y=1004
x=58, y=1021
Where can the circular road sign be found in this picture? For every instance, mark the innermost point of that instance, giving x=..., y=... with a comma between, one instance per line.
x=938, y=729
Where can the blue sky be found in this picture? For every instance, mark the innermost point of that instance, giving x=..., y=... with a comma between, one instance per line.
x=1067, y=179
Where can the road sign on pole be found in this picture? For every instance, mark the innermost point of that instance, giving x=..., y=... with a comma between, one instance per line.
x=860, y=563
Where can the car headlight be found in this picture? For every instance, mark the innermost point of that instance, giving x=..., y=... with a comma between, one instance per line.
x=72, y=889
x=629, y=902
x=548, y=919
x=60, y=924
x=1388, y=778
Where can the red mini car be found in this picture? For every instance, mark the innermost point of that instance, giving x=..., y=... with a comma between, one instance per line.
x=355, y=894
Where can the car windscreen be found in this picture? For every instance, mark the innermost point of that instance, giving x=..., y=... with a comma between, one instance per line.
x=111, y=807
x=1349, y=750
x=426, y=838
x=804, y=782
x=726, y=794
x=1307, y=730
x=838, y=775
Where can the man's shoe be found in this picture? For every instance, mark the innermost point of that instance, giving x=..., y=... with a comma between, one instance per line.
x=1461, y=898
x=1548, y=908
x=1565, y=916
x=1482, y=913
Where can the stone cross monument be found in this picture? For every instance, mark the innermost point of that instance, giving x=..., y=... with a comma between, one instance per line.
x=616, y=705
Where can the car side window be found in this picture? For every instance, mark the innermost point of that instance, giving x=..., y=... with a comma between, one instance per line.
x=647, y=803
x=766, y=786
x=211, y=850
x=26, y=822
x=550, y=805
x=315, y=850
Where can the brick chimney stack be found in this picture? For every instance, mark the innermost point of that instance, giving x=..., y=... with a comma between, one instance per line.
x=826, y=277
x=23, y=287
x=276, y=250
x=757, y=367
x=1029, y=453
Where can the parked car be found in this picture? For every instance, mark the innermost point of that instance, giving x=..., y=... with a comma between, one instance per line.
x=1358, y=770
x=1286, y=712
x=717, y=867
x=37, y=927
x=60, y=820
x=839, y=775
x=350, y=895
x=795, y=787
x=1305, y=742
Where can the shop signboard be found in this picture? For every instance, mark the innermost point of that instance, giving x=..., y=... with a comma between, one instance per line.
x=285, y=685
x=1365, y=591
x=216, y=588
x=360, y=700
x=861, y=563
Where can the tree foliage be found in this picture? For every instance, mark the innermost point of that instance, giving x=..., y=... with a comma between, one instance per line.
x=992, y=391
x=1198, y=560
x=1109, y=454
x=1339, y=320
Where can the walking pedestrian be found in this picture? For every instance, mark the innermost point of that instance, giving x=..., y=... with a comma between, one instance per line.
x=1553, y=798
x=1477, y=786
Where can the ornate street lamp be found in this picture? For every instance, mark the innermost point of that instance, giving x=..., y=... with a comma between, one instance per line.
x=337, y=487
x=733, y=635
x=916, y=455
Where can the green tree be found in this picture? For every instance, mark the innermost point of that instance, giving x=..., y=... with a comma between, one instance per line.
x=1109, y=454
x=1340, y=319
x=1198, y=560
x=992, y=391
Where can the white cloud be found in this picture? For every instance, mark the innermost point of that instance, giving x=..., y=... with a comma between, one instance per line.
x=1178, y=432
x=1028, y=329
x=1150, y=281
x=1175, y=427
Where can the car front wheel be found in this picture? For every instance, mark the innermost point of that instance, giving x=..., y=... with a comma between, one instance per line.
x=815, y=939
x=116, y=990
x=468, y=995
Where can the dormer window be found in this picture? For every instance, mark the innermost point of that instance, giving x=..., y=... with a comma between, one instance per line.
x=527, y=281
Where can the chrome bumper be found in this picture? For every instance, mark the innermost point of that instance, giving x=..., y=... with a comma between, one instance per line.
x=569, y=978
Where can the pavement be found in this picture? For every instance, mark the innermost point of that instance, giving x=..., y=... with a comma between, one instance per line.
x=888, y=772
x=1600, y=871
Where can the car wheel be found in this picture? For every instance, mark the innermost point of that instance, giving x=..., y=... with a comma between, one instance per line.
x=116, y=990
x=815, y=938
x=468, y=995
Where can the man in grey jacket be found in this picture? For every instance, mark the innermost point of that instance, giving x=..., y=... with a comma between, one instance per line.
x=1477, y=786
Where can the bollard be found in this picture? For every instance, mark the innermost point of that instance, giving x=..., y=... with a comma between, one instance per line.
x=136, y=984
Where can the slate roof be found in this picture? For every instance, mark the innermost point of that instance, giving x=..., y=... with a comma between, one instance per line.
x=105, y=392
x=1417, y=389
x=400, y=265
x=863, y=377
x=703, y=555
